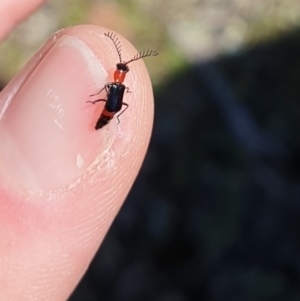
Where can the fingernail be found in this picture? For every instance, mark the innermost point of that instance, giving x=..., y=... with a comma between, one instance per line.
x=46, y=132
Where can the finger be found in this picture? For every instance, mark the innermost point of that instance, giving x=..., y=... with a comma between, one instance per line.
x=14, y=11
x=61, y=181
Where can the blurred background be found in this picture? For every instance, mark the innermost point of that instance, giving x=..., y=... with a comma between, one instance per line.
x=215, y=212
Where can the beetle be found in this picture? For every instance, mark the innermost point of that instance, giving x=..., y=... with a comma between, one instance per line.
x=115, y=90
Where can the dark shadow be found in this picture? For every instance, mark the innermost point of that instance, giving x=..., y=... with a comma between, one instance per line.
x=2, y=84
x=215, y=211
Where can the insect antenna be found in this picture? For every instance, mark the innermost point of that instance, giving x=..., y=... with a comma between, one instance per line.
x=142, y=54
x=116, y=42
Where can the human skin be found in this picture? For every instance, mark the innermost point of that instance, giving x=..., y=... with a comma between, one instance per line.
x=61, y=181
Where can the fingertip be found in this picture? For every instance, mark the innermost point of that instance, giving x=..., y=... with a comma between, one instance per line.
x=73, y=178
x=126, y=141
x=56, y=91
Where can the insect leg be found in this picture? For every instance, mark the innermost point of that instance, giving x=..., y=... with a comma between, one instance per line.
x=127, y=90
x=97, y=100
x=125, y=104
x=106, y=87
